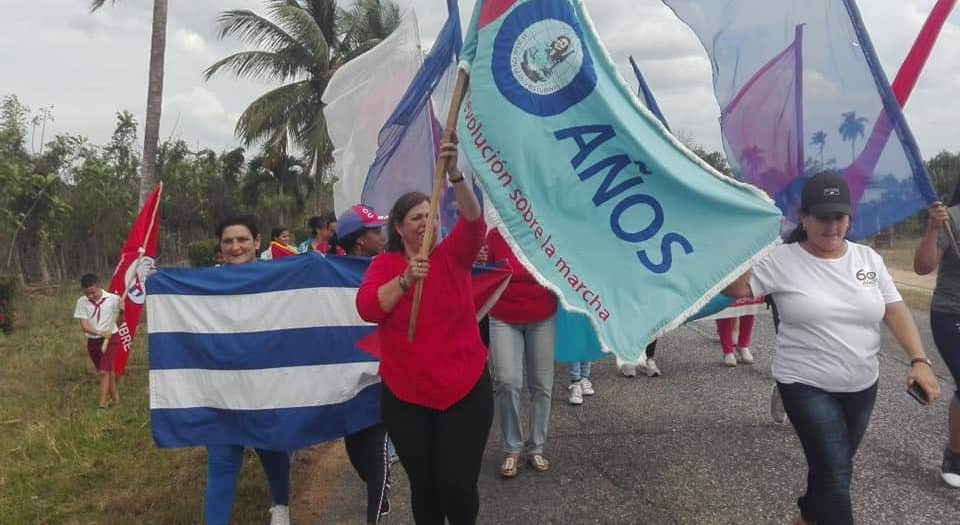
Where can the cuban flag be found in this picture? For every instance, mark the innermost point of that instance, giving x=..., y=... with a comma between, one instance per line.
x=270, y=355
x=260, y=355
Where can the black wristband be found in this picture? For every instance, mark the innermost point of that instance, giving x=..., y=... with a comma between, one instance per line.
x=454, y=181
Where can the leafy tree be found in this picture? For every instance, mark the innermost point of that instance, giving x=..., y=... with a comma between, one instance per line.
x=29, y=188
x=715, y=159
x=944, y=170
x=299, y=43
x=277, y=188
x=851, y=128
x=151, y=137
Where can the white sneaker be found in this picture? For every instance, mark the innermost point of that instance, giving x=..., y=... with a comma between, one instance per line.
x=744, y=355
x=628, y=370
x=280, y=515
x=950, y=470
x=729, y=360
x=650, y=368
x=777, y=412
x=586, y=386
x=576, y=394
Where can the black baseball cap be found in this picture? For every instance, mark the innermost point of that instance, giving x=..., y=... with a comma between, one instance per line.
x=825, y=193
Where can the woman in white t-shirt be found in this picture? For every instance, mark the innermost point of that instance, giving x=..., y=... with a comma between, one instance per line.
x=831, y=295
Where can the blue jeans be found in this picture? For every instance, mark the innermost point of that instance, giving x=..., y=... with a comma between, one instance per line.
x=518, y=351
x=223, y=467
x=579, y=370
x=946, y=335
x=830, y=426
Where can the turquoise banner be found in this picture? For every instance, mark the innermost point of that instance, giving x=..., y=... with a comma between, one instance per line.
x=609, y=211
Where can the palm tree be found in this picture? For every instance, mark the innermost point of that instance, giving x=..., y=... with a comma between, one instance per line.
x=299, y=43
x=851, y=128
x=819, y=139
x=365, y=24
x=151, y=127
x=752, y=156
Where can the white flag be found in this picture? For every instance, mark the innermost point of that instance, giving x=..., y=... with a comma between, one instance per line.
x=360, y=97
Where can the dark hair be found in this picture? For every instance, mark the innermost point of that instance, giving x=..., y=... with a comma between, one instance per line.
x=398, y=212
x=278, y=231
x=955, y=198
x=88, y=280
x=320, y=222
x=347, y=243
x=240, y=220
x=798, y=234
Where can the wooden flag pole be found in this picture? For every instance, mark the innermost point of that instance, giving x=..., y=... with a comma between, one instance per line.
x=439, y=183
x=140, y=252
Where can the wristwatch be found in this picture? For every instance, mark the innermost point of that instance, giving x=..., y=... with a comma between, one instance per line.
x=921, y=360
x=404, y=284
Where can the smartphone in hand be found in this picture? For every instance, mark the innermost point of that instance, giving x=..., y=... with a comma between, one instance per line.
x=918, y=393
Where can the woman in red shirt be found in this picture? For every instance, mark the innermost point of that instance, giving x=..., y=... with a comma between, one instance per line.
x=522, y=331
x=437, y=403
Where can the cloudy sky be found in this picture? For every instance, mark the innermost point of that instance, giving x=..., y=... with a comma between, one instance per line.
x=89, y=66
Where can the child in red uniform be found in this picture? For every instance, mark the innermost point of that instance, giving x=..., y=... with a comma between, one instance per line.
x=99, y=313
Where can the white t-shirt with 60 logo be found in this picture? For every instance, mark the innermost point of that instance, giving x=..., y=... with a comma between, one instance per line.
x=830, y=315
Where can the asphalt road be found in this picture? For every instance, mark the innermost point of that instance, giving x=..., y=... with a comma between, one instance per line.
x=697, y=446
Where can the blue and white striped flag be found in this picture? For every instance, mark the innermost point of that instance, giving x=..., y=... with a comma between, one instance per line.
x=260, y=355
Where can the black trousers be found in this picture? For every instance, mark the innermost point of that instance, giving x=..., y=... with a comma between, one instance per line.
x=651, y=349
x=367, y=451
x=441, y=450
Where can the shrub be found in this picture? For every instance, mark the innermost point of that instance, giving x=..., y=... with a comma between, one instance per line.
x=201, y=253
x=8, y=289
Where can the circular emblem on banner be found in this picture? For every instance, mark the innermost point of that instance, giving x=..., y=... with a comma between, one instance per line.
x=540, y=62
x=135, y=278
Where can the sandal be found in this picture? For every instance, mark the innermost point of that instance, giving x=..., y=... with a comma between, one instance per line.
x=510, y=465
x=538, y=462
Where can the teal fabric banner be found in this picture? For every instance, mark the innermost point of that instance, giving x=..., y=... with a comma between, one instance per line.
x=577, y=341
x=608, y=210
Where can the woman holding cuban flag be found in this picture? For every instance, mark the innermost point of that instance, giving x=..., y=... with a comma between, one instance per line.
x=239, y=239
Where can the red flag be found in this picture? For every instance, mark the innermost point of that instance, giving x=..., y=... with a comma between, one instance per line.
x=492, y=10
x=137, y=260
x=279, y=250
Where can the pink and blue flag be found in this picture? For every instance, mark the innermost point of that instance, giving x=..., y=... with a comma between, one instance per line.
x=801, y=90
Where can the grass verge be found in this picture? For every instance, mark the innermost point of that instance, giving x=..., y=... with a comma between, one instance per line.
x=901, y=255
x=64, y=465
